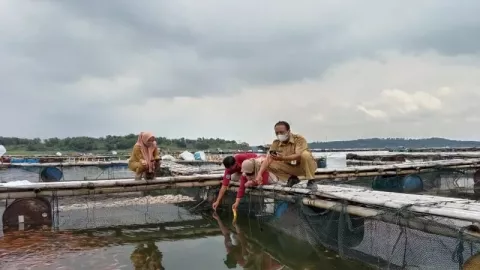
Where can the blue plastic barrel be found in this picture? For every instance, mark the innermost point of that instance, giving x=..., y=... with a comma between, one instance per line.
x=322, y=162
x=51, y=174
x=402, y=184
x=17, y=160
x=198, y=155
x=280, y=208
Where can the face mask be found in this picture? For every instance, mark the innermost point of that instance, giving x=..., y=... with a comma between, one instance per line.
x=282, y=137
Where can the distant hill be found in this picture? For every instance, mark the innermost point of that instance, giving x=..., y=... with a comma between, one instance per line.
x=395, y=143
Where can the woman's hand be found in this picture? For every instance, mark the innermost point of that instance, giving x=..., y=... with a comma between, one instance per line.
x=144, y=163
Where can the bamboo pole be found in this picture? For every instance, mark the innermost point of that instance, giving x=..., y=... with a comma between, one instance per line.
x=406, y=199
x=456, y=163
x=421, y=154
x=388, y=202
x=81, y=163
x=320, y=174
x=269, y=194
x=412, y=223
x=369, y=162
x=114, y=183
x=420, y=224
x=69, y=164
x=104, y=190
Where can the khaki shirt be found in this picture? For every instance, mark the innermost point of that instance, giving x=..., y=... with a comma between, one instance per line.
x=137, y=155
x=296, y=144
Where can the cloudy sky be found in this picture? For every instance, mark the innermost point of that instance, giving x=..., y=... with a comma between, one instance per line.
x=213, y=68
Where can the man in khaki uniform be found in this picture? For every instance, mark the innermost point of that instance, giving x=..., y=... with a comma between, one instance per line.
x=289, y=157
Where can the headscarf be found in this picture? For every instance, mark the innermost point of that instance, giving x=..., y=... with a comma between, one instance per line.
x=252, y=166
x=147, y=152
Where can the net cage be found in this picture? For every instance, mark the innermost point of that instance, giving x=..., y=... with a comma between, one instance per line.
x=385, y=241
x=60, y=172
x=393, y=239
x=87, y=224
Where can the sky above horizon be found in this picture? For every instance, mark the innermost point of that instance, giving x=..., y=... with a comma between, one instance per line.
x=334, y=70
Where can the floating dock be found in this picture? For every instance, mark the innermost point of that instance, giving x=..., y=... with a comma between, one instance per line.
x=348, y=173
x=433, y=205
x=400, y=149
x=122, y=163
x=328, y=173
x=414, y=156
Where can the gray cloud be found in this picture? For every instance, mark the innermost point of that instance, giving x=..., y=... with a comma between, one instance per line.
x=78, y=65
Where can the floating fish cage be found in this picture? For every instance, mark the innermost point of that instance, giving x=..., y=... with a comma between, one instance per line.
x=395, y=230
x=390, y=240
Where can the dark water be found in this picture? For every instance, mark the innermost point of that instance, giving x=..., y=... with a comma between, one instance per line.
x=168, y=238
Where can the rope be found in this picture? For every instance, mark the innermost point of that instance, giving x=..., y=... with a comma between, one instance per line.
x=457, y=255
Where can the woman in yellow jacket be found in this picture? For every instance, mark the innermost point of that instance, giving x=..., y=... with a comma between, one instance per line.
x=145, y=157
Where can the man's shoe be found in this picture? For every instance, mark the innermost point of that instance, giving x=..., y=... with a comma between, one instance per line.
x=293, y=180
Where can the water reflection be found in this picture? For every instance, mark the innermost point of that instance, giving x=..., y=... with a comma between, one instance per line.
x=251, y=244
x=27, y=249
x=215, y=243
x=147, y=256
x=239, y=252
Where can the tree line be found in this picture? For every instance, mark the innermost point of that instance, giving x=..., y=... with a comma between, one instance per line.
x=114, y=143
x=122, y=143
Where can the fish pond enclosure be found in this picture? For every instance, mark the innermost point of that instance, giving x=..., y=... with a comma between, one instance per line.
x=362, y=217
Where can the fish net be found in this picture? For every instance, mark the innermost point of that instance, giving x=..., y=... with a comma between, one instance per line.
x=394, y=239
x=438, y=181
x=112, y=171
x=87, y=225
x=296, y=234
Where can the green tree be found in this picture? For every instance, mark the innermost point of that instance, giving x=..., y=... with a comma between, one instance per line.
x=118, y=143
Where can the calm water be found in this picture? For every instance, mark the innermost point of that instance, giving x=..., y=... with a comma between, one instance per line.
x=169, y=238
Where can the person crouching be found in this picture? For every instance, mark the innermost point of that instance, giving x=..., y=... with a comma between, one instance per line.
x=233, y=166
x=145, y=157
x=250, y=170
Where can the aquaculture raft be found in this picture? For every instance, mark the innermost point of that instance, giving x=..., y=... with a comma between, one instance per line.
x=71, y=188
x=403, y=156
x=96, y=164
